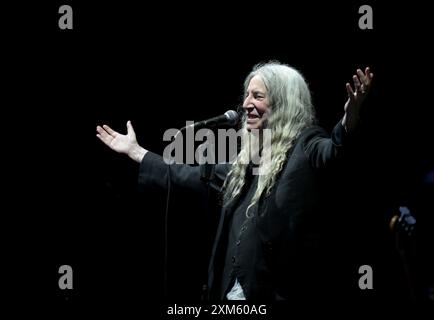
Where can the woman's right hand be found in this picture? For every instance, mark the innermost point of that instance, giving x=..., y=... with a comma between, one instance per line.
x=122, y=143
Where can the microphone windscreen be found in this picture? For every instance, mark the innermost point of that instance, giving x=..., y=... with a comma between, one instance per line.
x=232, y=117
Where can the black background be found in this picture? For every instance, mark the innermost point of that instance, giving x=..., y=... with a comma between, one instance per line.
x=76, y=202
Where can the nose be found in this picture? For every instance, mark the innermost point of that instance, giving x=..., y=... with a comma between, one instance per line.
x=248, y=107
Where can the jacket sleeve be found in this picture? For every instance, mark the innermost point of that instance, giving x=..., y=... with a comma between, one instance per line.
x=322, y=150
x=155, y=173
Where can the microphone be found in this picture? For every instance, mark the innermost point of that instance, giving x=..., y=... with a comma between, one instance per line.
x=230, y=118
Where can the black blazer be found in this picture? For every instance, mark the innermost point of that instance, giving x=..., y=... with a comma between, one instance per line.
x=292, y=225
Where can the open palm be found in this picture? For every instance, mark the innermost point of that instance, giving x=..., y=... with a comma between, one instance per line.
x=121, y=143
x=362, y=85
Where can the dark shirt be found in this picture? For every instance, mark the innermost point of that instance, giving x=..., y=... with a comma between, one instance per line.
x=240, y=229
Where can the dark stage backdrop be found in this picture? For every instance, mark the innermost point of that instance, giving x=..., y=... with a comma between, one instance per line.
x=160, y=65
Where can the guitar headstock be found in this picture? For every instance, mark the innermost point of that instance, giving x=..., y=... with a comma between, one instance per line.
x=404, y=223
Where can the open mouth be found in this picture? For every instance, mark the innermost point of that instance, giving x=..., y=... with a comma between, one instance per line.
x=252, y=119
x=252, y=116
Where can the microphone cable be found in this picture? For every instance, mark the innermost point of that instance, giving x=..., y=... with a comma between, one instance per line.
x=166, y=228
x=166, y=220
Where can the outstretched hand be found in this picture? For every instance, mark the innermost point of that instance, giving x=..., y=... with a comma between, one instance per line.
x=122, y=143
x=362, y=84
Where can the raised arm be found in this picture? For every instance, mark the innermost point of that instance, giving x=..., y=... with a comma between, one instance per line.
x=322, y=150
x=154, y=171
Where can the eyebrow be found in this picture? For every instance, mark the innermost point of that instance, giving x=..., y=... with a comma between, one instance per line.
x=258, y=91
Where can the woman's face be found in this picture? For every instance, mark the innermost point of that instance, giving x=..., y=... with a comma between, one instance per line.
x=256, y=103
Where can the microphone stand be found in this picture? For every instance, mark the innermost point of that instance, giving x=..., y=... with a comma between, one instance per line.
x=206, y=176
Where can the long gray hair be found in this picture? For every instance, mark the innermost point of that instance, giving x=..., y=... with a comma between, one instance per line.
x=290, y=111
